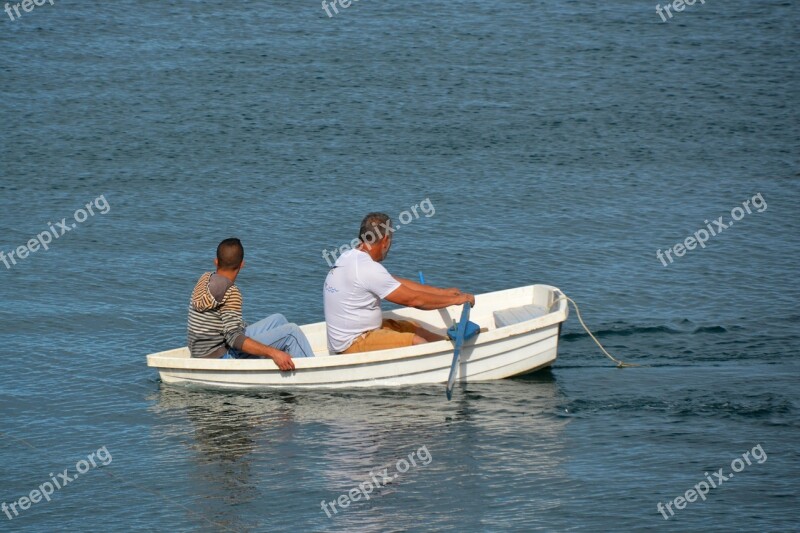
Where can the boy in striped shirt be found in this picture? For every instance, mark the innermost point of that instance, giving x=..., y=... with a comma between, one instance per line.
x=216, y=328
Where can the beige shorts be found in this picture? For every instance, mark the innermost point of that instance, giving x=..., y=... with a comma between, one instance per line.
x=391, y=334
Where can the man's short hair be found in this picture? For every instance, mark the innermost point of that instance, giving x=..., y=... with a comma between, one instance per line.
x=230, y=254
x=374, y=227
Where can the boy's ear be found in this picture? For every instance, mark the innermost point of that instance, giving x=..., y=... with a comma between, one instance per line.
x=216, y=262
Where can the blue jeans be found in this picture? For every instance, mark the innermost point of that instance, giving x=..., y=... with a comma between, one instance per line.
x=277, y=332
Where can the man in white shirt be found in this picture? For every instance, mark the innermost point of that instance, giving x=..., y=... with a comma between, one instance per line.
x=358, y=282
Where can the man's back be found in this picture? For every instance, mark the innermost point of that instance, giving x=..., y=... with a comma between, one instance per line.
x=352, y=296
x=215, y=316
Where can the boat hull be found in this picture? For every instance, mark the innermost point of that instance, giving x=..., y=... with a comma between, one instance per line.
x=496, y=353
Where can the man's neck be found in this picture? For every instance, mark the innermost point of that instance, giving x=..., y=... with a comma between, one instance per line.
x=230, y=274
x=371, y=252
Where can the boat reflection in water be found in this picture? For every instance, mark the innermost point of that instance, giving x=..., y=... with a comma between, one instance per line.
x=267, y=460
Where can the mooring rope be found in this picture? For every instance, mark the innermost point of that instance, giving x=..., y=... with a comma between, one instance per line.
x=620, y=364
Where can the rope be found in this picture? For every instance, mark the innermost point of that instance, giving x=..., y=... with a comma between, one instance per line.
x=620, y=364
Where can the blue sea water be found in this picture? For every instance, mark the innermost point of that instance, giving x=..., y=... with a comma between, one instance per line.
x=559, y=142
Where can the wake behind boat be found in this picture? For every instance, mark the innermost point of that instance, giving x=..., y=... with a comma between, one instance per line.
x=520, y=329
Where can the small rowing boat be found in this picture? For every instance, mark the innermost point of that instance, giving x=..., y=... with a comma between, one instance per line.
x=519, y=332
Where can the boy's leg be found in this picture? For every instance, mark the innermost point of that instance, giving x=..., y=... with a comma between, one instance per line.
x=271, y=322
x=275, y=331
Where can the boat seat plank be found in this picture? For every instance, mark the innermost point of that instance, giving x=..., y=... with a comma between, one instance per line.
x=515, y=315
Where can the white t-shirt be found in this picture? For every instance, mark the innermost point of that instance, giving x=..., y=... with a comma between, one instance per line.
x=352, y=294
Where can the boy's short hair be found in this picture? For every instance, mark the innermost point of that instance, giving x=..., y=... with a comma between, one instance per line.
x=230, y=254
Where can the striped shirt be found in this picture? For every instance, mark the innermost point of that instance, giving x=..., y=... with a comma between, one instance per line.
x=215, y=317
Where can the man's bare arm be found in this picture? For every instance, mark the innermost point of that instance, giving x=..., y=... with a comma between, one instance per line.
x=426, y=288
x=427, y=301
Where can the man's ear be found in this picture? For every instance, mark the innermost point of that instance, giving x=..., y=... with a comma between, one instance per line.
x=242, y=265
x=216, y=262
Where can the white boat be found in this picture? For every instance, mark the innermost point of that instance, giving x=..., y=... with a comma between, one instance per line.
x=519, y=334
